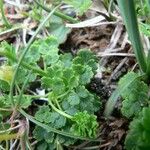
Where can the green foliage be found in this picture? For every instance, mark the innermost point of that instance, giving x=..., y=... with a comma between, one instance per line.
x=143, y=12
x=71, y=106
x=138, y=137
x=57, y=28
x=66, y=82
x=80, y=6
x=85, y=124
x=135, y=96
x=145, y=29
x=45, y=48
x=122, y=89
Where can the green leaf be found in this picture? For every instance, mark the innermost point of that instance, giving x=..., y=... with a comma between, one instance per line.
x=84, y=56
x=48, y=48
x=138, y=137
x=57, y=120
x=80, y=6
x=45, y=139
x=66, y=59
x=71, y=110
x=4, y=86
x=122, y=89
x=82, y=92
x=73, y=98
x=9, y=49
x=34, y=53
x=58, y=29
x=66, y=140
x=41, y=134
x=134, y=98
x=86, y=76
x=127, y=10
x=55, y=70
x=145, y=29
x=58, y=86
x=48, y=45
x=43, y=114
x=73, y=82
x=26, y=101
x=85, y=125
x=146, y=119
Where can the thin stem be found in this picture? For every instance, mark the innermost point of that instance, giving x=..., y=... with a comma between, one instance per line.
x=5, y=109
x=22, y=90
x=57, y=103
x=11, y=30
x=24, y=53
x=6, y=22
x=59, y=111
x=10, y=129
x=56, y=13
x=50, y=129
x=38, y=96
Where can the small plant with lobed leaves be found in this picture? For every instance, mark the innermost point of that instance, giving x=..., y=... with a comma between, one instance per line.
x=70, y=107
x=67, y=115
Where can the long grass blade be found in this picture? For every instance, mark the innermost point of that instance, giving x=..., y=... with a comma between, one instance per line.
x=127, y=10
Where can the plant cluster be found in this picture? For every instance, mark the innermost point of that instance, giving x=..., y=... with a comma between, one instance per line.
x=68, y=111
x=70, y=107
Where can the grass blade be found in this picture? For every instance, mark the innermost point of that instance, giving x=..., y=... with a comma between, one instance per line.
x=127, y=10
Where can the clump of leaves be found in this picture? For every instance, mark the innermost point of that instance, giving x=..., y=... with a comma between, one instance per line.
x=138, y=137
x=135, y=96
x=81, y=6
x=68, y=97
x=143, y=12
x=71, y=106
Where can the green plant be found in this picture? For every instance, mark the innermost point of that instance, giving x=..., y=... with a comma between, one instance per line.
x=65, y=79
x=138, y=137
x=143, y=13
x=133, y=87
x=6, y=22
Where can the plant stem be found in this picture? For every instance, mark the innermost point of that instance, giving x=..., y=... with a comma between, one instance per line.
x=56, y=13
x=127, y=9
x=57, y=103
x=6, y=22
x=59, y=111
x=22, y=90
x=5, y=109
x=24, y=53
x=50, y=129
x=38, y=96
